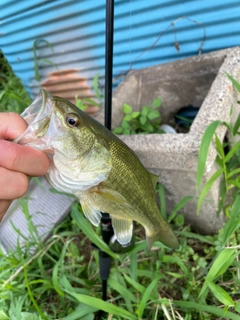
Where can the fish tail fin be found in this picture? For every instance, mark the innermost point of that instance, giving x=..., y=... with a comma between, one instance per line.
x=167, y=237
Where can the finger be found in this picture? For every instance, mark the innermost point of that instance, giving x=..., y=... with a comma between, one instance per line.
x=4, y=205
x=23, y=159
x=13, y=184
x=12, y=125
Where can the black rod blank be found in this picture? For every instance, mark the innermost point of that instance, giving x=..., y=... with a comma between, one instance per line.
x=109, y=62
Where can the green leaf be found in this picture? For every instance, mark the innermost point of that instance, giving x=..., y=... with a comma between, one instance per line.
x=219, y=147
x=203, y=239
x=236, y=125
x=135, y=114
x=147, y=128
x=125, y=292
x=206, y=308
x=126, y=131
x=96, y=86
x=3, y=315
x=81, y=311
x=127, y=108
x=127, y=118
x=223, y=260
x=234, y=82
x=207, y=187
x=237, y=307
x=102, y=305
x=161, y=194
x=118, y=130
x=157, y=103
x=179, y=206
x=143, y=119
x=87, y=229
x=179, y=220
x=153, y=115
x=220, y=294
x=91, y=102
x=234, y=221
x=203, y=150
x=36, y=60
x=125, y=124
x=137, y=286
x=145, y=110
x=233, y=150
x=146, y=295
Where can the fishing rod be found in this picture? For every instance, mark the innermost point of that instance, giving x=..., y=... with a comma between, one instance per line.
x=106, y=223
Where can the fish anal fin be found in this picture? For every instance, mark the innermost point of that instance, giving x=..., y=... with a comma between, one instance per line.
x=123, y=230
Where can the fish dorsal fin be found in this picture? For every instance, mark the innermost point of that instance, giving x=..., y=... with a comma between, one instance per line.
x=154, y=178
x=123, y=230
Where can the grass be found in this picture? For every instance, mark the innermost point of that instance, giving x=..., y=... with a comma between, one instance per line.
x=61, y=280
x=13, y=96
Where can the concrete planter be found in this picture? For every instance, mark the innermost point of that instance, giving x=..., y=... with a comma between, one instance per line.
x=199, y=81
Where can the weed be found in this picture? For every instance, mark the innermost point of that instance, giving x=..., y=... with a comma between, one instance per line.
x=13, y=96
x=145, y=121
x=84, y=103
x=201, y=280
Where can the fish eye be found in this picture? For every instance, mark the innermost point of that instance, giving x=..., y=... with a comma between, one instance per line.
x=73, y=120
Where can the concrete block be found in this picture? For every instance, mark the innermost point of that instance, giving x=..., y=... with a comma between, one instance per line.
x=199, y=81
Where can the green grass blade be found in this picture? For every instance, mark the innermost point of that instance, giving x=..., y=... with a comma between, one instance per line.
x=234, y=82
x=179, y=206
x=30, y=293
x=146, y=295
x=233, y=172
x=220, y=294
x=133, y=265
x=161, y=193
x=3, y=315
x=219, y=147
x=96, y=87
x=219, y=266
x=81, y=311
x=233, y=150
x=207, y=187
x=102, y=305
x=137, y=286
x=203, y=239
x=203, y=150
x=205, y=308
x=236, y=125
x=87, y=229
x=125, y=292
x=234, y=221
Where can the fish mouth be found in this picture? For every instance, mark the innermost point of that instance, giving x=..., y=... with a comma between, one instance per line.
x=43, y=125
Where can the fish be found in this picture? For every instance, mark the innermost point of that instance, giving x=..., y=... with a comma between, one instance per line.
x=90, y=162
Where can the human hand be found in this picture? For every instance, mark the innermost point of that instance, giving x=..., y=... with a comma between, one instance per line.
x=16, y=162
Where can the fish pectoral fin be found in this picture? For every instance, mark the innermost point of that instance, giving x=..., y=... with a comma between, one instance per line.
x=123, y=230
x=112, y=195
x=91, y=213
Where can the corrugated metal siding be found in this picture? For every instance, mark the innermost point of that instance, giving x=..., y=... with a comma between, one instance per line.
x=76, y=30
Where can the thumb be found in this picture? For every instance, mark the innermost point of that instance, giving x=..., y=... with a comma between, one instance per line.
x=12, y=125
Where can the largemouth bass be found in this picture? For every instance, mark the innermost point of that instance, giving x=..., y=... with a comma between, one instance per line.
x=89, y=161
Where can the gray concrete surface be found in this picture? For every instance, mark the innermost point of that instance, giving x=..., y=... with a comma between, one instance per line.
x=199, y=81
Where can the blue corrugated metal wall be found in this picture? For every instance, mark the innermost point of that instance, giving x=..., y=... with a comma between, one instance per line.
x=76, y=30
